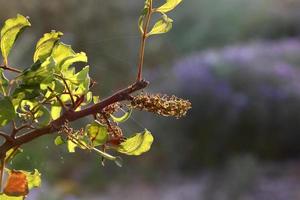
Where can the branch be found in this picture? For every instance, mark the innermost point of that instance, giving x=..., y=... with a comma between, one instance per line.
x=143, y=43
x=10, y=69
x=69, y=116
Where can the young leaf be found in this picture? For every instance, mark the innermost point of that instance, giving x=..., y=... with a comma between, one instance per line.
x=33, y=178
x=5, y=197
x=97, y=133
x=9, y=33
x=58, y=140
x=162, y=26
x=65, y=56
x=45, y=45
x=168, y=6
x=7, y=111
x=55, y=111
x=136, y=145
x=3, y=83
x=43, y=116
x=123, y=118
x=71, y=146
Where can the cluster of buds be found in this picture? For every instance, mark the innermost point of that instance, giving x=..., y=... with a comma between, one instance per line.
x=107, y=111
x=161, y=104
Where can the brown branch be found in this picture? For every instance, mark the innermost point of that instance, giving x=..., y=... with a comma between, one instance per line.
x=10, y=69
x=69, y=116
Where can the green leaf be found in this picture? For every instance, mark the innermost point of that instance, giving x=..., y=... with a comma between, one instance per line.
x=136, y=145
x=33, y=178
x=58, y=140
x=71, y=146
x=123, y=118
x=43, y=116
x=7, y=111
x=55, y=111
x=10, y=154
x=168, y=6
x=162, y=26
x=9, y=33
x=97, y=133
x=39, y=73
x=5, y=197
x=45, y=45
x=65, y=56
x=3, y=83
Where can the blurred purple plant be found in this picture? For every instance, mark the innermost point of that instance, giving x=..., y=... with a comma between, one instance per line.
x=245, y=98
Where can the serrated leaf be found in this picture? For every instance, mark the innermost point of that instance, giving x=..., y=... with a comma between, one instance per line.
x=9, y=33
x=45, y=45
x=162, y=26
x=97, y=133
x=58, y=140
x=7, y=111
x=3, y=83
x=123, y=118
x=168, y=6
x=136, y=145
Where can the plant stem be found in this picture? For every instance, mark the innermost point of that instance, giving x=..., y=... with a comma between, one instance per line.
x=143, y=42
x=10, y=69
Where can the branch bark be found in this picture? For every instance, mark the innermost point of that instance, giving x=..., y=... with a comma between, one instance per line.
x=70, y=116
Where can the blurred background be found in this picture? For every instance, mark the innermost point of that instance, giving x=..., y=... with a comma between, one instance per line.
x=238, y=61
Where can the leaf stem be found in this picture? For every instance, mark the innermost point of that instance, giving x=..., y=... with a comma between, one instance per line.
x=143, y=42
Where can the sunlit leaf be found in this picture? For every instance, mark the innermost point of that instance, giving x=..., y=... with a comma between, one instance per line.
x=65, y=56
x=33, y=178
x=5, y=197
x=45, y=45
x=123, y=118
x=96, y=99
x=12, y=153
x=97, y=133
x=55, y=111
x=168, y=6
x=71, y=146
x=9, y=33
x=136, y=145
x=162, y=26
x=58, y=140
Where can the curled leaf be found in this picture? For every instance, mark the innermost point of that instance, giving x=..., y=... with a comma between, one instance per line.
x=123, y=118
x=9, y=33
x=45, y=45
x=136, y=145
x=97, y=133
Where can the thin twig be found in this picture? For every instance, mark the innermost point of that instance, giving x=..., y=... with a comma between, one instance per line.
x=10, y=69
x=143, y=42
